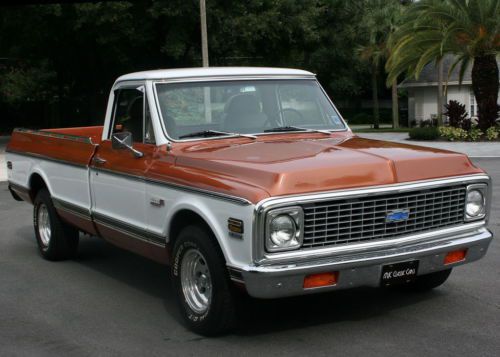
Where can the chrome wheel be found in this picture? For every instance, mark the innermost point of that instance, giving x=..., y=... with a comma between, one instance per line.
x=44, y=224
x=196, y=281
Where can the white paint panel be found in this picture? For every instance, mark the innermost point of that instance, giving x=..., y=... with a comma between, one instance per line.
x=118, y=197
x=21, y=168
x=212, y=72
x=215, y=212
x=65, y=182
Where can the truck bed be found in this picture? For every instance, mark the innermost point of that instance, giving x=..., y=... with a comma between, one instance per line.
x=70, y=145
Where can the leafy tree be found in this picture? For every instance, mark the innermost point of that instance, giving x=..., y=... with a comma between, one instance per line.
x=58, y=61
x=380, y=20
x=469, y=29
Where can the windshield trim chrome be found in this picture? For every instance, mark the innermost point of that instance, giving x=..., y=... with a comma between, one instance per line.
x=239, y=78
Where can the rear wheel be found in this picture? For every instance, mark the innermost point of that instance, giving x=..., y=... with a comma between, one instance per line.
x=56, y=239
x=201, y=282
x=428, y=281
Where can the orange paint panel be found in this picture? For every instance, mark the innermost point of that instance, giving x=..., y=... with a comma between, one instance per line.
x=69, y=150
x=158, y=254
x=86, y=225
x=271, y=165
x=92, y=132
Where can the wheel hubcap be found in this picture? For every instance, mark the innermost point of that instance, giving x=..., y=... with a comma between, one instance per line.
x=196, y=281
x=44, y=225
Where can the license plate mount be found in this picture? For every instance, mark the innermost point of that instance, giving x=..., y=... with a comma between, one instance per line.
x=399, y=273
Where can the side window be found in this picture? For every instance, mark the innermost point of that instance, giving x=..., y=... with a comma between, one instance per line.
x=129, y=113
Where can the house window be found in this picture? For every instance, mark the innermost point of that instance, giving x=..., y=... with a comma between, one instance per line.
x=472, y=104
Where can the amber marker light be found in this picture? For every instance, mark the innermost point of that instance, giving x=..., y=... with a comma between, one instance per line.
x=321, y=279
x=455, y=256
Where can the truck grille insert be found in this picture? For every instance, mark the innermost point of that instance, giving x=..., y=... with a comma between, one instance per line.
x=382, y=217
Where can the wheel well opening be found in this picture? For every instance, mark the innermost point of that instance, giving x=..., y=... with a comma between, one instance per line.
x=36, y=184
x=182, y=219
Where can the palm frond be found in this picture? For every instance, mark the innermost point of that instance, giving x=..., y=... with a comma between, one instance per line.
x=432, y=28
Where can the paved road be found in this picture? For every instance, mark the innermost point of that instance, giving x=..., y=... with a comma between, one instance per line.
x=110, y=302
x=3, y=168
x=475, y=150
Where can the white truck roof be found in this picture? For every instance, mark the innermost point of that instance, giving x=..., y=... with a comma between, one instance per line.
x=213, y=72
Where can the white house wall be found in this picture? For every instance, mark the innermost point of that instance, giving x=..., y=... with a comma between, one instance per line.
x=422, y=101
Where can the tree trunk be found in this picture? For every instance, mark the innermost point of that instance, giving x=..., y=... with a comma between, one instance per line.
x=485, y=87
x=395, y=107
x=440, y=94
x=376, y=113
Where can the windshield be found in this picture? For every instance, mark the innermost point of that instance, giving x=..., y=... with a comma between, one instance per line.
x=201, y=109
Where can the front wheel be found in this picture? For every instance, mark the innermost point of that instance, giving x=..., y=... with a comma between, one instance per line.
x=201, y=282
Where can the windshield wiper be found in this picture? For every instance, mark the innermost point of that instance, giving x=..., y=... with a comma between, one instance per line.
x=208, y=133
x=288, y=128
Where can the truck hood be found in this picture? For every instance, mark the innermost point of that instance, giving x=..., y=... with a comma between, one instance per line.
x=294, y=166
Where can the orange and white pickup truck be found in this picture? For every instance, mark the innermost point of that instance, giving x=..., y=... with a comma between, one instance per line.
x=248, y=179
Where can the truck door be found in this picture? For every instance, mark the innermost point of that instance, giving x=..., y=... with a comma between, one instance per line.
x=117, y=175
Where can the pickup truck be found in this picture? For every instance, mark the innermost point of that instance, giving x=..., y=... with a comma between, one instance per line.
x=248, y=179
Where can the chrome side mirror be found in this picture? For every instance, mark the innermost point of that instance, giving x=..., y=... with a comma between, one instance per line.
x=123, y=140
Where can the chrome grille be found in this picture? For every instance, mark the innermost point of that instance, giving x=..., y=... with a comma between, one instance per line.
x=364, y=218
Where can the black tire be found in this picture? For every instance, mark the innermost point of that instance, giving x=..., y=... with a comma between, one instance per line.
x=219, y=316
x=62, y=242
x=428, y=281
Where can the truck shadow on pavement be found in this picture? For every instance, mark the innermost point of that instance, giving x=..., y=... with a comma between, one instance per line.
x=266, y=316
x=255, y=316
x=140, y=273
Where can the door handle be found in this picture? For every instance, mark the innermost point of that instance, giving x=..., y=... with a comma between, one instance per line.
x=98, y=161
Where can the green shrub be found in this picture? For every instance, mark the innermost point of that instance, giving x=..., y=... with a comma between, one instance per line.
x=452, y=133
x=474, y=134
x=429, y=133
x=428, y=123
x=492, y=133
x=456, y=114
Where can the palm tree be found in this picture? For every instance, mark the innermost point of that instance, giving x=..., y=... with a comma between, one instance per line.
x=373, y=54
x=381, y=20
x=468, y=29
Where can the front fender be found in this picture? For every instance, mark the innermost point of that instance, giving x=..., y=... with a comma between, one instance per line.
x=237, y=251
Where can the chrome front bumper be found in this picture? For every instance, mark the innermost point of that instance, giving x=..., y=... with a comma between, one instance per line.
x=273, y=280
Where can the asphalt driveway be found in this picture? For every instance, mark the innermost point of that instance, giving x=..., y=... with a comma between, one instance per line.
x=472, y=149
x=111, y=302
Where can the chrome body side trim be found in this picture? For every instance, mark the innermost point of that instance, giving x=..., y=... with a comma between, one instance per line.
x=71, y=208
x=44, y=157
x=260, y=256
x=213, y=194
x=48, y=133
x=117, y=225
x=132, y=231
x=19, y=193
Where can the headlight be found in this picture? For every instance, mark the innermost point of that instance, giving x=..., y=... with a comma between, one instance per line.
x=284, y=229
x=475, y=202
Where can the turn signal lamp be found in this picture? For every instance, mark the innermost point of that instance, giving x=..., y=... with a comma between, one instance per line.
x=319, y=280
x=455, y=256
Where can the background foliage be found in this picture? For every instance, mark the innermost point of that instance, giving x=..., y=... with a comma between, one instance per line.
x=58, y=61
